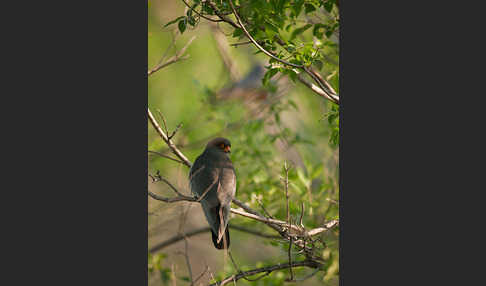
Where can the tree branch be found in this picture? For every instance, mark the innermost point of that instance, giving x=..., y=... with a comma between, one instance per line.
x=201, y=15
x=298, y=234
x=221, y=16
x=177, y=57
x=268, y=269
x=168, y=141
x=206, y=229
x=317, y=89
x=165, y=156
x=255, y=42
x=278, y=225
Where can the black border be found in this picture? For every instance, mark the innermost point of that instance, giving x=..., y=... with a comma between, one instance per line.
x=74, y=203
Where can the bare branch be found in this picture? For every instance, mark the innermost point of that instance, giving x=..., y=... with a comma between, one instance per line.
x=173, y=276
x=186, y=255
x=165, y=156
x=202, y=274
x=268, y=269
x=333, y=223
x=301, y=215
x=177, y=57
x=274, y=223
x=171, y=200
x=168, y=141
x=167, y=63
x=316, y=89
x=268, y=221
x=175, y=131
x=286, y=186
x=206, y=229
x=323, y=84
x=263, y=208
x=240, y=44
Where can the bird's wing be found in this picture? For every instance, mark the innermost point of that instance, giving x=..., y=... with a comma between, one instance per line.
x=227, y=181
x=202, y=177
x=226, y=193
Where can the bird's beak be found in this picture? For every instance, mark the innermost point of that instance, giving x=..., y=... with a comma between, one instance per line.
x=227, y=149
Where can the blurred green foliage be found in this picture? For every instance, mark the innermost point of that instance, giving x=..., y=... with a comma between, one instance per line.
x=293, y=125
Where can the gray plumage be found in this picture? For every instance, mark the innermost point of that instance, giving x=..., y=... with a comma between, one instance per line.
x=212, y=175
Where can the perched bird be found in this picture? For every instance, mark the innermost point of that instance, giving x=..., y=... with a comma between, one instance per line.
x=212, y=178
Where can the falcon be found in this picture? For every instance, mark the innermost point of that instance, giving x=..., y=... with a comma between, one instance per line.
x=212, y=179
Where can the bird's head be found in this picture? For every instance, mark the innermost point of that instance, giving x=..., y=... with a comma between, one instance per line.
x=219, y=144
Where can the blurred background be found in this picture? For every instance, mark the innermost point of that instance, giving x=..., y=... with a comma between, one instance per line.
x=218, y=91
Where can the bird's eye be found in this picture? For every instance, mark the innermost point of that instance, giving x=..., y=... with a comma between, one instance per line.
x=221, y=145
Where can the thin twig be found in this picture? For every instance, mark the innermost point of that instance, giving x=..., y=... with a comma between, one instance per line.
x=202, y=274
x=171, y=200
x=175, y=131
x=186, y=255
x=301, y=215
x=263, y=208
x=165, y=156
x=286, y=186
x=168, y=62
x=242, y=43
x=173, y=276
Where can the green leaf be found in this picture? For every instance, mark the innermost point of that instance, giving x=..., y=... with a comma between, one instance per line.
x=309, y=8
x=299, y=31
x=268, y=75
x=237, y=33
x=191, y=20
x=328, y=6
x=270, y=30
x=293, y=104
x=297, y=7
x=317, y=171
x=173, y=21
x=182, y=25
x=207, y=9
x=318, y=30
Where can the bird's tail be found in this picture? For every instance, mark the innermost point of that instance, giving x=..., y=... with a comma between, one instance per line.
x=222, y=242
